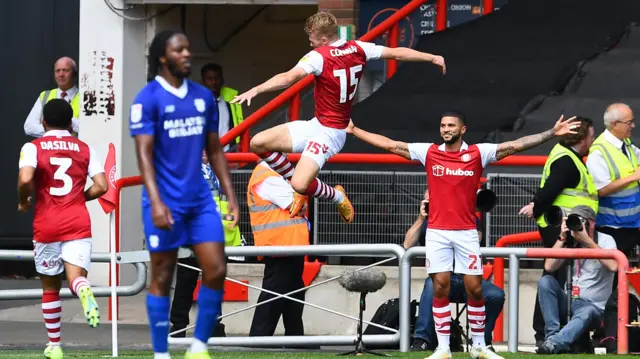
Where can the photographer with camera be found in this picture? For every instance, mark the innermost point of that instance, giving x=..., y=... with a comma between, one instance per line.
x=425, y=337
x=565, y=183
x=592, y=283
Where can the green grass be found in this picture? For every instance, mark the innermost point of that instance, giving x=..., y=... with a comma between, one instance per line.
x=17, y=354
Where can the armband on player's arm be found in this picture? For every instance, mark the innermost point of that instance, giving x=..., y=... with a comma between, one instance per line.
x=396, y=147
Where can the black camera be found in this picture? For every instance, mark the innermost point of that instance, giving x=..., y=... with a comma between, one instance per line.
x=576, y=223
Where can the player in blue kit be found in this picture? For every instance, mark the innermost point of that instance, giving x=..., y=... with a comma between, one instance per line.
x=172, y=119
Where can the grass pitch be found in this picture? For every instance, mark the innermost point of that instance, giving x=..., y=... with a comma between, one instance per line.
x=82, y=354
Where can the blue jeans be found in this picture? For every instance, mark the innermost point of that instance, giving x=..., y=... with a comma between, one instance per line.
x=493, y=302
x=553, y=303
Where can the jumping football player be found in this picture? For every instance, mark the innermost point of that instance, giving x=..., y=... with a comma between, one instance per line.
x=453, y=171
x=337, y=66
x=56, y=167
x=172, y=119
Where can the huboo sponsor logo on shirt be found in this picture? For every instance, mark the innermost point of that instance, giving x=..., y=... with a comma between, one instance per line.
x=439, y=171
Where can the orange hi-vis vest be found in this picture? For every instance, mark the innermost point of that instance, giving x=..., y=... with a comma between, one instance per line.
x=271, y=225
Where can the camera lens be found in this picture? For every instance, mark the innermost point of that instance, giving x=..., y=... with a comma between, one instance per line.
x=574, y=222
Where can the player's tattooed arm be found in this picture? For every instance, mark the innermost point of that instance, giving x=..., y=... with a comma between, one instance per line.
x=385, y=143
x=561, y=128
x=508, y=148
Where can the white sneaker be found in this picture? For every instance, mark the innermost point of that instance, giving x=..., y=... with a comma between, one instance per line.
x=483, y=353
x=440, y=353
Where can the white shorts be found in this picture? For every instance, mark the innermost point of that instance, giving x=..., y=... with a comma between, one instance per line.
x=50, y=257
x=443, y=246
x=316, y=141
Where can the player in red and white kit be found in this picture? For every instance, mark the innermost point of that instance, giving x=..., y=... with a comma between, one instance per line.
x=337, y=66
x=453, y=171
x=56, y=167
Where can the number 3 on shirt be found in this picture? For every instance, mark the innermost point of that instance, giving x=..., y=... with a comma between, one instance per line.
x=353, y=81
x=61, y=175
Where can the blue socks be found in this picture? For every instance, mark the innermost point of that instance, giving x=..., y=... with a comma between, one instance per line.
x=158, y=313
x=209, y=307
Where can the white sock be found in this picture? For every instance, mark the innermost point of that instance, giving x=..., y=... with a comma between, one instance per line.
x=197, y=346
x=443, y=341
x=161, y=356
x=338, y=198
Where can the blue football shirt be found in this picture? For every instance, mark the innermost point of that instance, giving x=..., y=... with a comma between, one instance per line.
x=179, y=119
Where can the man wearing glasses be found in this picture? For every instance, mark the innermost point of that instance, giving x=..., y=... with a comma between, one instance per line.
x=613, y=164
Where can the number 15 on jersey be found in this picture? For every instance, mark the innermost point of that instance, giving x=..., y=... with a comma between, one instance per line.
x=347, y=81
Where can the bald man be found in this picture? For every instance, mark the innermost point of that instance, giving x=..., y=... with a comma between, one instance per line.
x=65, y=73
x=613, y=164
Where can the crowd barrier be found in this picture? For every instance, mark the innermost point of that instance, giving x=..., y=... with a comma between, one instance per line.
x=404, y=258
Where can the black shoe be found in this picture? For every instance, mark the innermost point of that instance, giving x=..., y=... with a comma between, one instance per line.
x=549, y=347
x=490, y=347
x=419, y=345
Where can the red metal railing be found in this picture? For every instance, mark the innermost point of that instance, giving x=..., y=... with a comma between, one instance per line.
x=623, y=285
x=498, y=272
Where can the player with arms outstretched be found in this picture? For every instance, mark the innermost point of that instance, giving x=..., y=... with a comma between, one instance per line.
x=172, y=120
x=453, y=171
x=337, y=66
x=56, y=167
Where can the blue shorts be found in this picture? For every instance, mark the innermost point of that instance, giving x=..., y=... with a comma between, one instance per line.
x=192, y=225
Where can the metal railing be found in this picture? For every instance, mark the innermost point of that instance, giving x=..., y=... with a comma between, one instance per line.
x=514, y=255
x=514, y=191
x=369, y=250
x=125, y=291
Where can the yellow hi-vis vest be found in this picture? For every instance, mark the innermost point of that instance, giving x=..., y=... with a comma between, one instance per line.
x=620, y=209
x=232, y=236
x=48, y=95
x=585, y=193
x=228, y=94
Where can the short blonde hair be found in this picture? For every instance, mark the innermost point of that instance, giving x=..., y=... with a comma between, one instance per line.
x=323, y=23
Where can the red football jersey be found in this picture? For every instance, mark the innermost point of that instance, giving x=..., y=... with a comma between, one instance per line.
x=336, y=86
x=453, y=179
x=62, y=165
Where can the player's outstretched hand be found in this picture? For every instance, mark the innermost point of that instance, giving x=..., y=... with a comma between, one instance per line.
x=161, y=215
x=565, y=127
x=247, y=96
x=24, y=207
x=439, y=61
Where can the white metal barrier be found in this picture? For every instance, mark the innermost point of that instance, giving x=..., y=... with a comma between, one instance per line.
x=376, y=250
x=125, y=291
x=369, y=250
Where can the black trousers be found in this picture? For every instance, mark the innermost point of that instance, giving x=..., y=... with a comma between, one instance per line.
x=281, y=275
x=549, y=237
x=186, y=282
